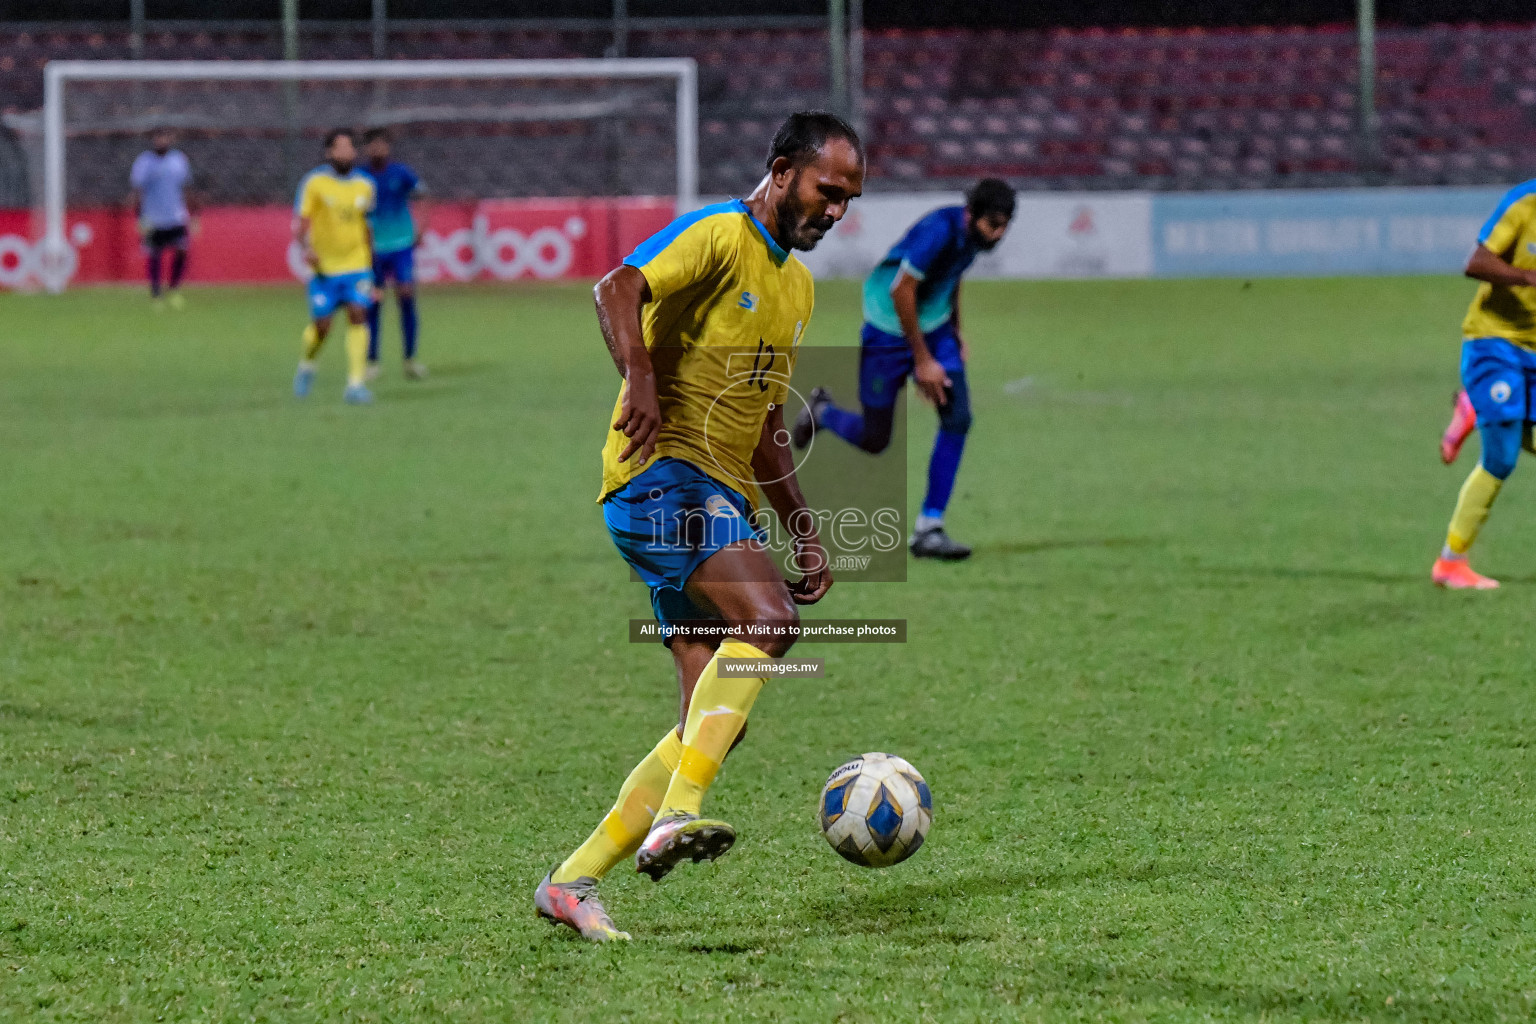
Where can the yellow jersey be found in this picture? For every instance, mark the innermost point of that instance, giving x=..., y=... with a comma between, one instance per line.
x=728, y=309
x=1510, y=234
x=337, y=209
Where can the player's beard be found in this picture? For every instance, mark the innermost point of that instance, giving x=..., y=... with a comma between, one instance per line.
x=341, y=167
x=981, y=243
x=804, y=231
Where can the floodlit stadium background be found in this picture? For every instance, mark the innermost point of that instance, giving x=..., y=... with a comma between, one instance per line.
x=1152, y=140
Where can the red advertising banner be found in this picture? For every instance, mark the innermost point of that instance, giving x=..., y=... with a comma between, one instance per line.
x=492, y=240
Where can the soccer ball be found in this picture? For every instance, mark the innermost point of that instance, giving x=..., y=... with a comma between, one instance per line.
x=875, y=810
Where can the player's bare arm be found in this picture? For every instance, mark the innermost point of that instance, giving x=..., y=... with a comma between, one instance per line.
x=619, y=298
x=926, y=371
x=418, y=208
x=136, y=205
x=773, y=462
x=1486, y=265
x=301, y=235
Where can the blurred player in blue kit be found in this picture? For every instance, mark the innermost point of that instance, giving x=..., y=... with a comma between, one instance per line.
x=395, y=237
x=912, y=327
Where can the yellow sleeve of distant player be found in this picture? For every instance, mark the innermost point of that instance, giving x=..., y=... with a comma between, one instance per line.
x=1500, y=234
x=681, y=254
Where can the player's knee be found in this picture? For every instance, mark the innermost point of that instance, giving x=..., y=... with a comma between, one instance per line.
x=876, y=437
x=955, y=419
x=874, y=441
x=405, y=291
x=1500, y=463
x=1501, y=448
x=776, y=619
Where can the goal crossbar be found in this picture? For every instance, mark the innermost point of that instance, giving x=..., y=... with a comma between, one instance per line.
x=59, y=73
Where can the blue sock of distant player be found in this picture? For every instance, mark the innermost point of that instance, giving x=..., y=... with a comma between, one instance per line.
x=373, y=331
x=154, y=274
x=948, y=446
x=943, y=465
x=408, y=324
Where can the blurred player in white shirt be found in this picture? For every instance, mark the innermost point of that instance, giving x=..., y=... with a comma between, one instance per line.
x=160, y=177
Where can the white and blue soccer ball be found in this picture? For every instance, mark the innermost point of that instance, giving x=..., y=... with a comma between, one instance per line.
x=875, y=810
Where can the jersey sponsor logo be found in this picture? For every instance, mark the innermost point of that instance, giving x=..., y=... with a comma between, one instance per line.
x=1500, y=391
x=748, y=302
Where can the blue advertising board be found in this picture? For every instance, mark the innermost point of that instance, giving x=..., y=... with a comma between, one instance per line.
x=1307, y=233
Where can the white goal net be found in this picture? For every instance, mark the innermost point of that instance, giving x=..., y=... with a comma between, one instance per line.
x=475, y=130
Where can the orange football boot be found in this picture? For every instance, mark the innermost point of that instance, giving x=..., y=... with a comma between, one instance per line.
x=682, y=837
x=575, y=904
x=1458, y=574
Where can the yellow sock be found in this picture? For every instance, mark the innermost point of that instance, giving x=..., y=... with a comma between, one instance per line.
x=715, y=718
x=357, y=353
x=619, y=833
x=312, y=342
x=1472, y=507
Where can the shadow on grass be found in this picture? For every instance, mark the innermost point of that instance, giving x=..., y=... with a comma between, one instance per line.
x=428, y=391
x=39, y=713
x=1099, y=966
x=466, y=368
x=1367, y=999
x=1041, y=546
x=860, y=911
x=1307, y=575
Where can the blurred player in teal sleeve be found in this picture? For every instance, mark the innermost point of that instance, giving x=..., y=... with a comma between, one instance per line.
x=395, y=236
x=912, y=327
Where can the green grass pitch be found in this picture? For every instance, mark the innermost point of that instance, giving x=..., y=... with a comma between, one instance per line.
x=297, y=702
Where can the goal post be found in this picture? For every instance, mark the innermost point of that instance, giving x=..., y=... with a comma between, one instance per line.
x=65, y=77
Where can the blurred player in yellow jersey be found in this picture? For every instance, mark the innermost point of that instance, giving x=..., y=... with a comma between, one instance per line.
x=1498, y=372
x=330, y=222
x=703, y=321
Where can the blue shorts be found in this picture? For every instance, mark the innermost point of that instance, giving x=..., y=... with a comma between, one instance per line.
x=326, y=293
x=399, y=265
x=1499, y=376
x=885, y=361
x=666, y=522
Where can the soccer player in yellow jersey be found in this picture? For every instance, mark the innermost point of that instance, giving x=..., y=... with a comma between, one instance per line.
x=703, y=321
x=330, y=222
x=1498, y=371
